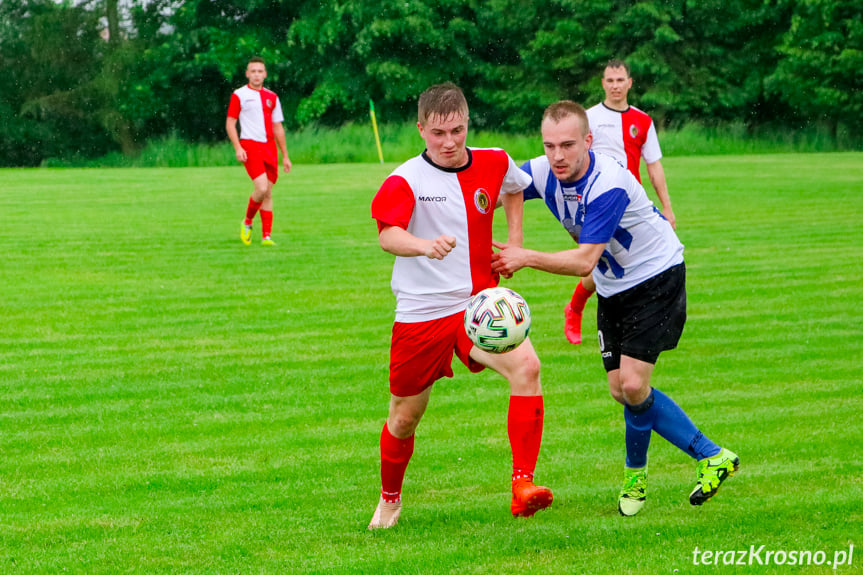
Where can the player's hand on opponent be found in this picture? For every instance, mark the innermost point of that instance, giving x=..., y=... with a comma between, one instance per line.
x=508, y=260
x=439, y=247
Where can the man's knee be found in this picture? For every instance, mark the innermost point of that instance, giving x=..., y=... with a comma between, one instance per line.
x=634, y=390
x=402, y=423
x=405, y=414
x=524, y=377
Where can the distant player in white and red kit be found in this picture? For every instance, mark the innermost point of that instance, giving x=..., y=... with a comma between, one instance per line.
x=260, y=115
x=434, y=213
x=627, y=134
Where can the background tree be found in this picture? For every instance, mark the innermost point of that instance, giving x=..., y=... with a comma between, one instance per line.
x=817, y=75
x=84, y=78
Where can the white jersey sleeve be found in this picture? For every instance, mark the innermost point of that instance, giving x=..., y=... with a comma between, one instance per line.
x=651, y=151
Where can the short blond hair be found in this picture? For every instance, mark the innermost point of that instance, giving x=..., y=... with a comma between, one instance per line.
x=565, y=108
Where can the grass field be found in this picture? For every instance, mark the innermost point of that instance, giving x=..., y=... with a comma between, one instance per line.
x=176, y=402
x=355, y=143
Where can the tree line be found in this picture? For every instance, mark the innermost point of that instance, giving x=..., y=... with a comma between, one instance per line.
x=83, y=78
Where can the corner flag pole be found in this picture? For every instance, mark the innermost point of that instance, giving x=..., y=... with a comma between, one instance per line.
x=375, y=128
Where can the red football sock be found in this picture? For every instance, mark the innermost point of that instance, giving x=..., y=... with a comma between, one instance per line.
x=579, y=298
x=266, y=222
x=524, y=425
x=251, y=210
x=395, y=456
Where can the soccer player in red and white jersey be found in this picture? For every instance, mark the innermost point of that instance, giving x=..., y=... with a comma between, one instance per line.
x=627, y=134
x=260, y=115
x=434, y=213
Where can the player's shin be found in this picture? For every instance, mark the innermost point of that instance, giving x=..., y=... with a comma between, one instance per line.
x=395, y=455
x=674, y=425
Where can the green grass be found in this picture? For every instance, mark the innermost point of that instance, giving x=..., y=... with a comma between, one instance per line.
x=176, y=402
x=356, y=143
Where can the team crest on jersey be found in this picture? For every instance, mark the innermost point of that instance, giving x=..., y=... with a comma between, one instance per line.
x=269, y=103
x=481, y=200
x=633, y=130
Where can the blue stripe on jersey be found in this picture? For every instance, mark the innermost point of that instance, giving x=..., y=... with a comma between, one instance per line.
x=550, y=197
x=602, y=216
x=606, y=262
x=623, y=237
x=530, y=192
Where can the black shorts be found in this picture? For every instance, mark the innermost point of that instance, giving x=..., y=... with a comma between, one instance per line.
x=644, y=320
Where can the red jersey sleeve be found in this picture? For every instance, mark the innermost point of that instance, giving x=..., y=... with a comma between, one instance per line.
x=234, y=107
x=393, y=205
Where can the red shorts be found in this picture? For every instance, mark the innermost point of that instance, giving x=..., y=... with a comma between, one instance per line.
x=421, y=353
x=261, y=157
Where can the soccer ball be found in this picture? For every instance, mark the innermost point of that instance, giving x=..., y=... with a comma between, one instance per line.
x=497, y=320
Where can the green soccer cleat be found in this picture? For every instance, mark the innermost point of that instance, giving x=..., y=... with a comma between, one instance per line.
x=634, y=492
x=710, y=473
x=246, y=233
x=267, y=241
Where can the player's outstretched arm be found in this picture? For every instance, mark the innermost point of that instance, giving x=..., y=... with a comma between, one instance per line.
x=575, y=262
x=400, y=242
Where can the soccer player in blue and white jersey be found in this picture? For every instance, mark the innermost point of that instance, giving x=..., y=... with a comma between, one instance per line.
x=636, y=260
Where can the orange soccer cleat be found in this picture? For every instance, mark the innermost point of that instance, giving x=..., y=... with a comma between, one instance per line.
x=528, y=498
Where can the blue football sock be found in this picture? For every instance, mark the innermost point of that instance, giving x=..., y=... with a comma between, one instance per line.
x=639, y=425
x=670, y=422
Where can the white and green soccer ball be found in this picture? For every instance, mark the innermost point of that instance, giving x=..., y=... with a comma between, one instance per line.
x=497, y=320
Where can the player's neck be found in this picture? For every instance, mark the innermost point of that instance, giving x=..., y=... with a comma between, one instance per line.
x=256, y=89
x=620, y=106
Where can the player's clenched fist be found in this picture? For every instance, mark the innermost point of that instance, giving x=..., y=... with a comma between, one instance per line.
x=440, y=247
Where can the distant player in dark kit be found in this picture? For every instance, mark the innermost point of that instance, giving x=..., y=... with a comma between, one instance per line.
x=627, y=134
x=260, y=115
x=434, y=213
x=637, y=264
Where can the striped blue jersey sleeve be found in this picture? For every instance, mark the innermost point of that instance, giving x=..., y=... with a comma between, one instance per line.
x=602, y=216
x=530, y=192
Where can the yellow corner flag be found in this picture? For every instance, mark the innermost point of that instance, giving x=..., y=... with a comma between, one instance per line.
x=375, y=128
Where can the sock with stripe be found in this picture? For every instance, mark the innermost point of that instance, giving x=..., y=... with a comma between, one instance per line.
x=395, y=455
x=672, y=423
x=266, y=223
x=524, y=427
